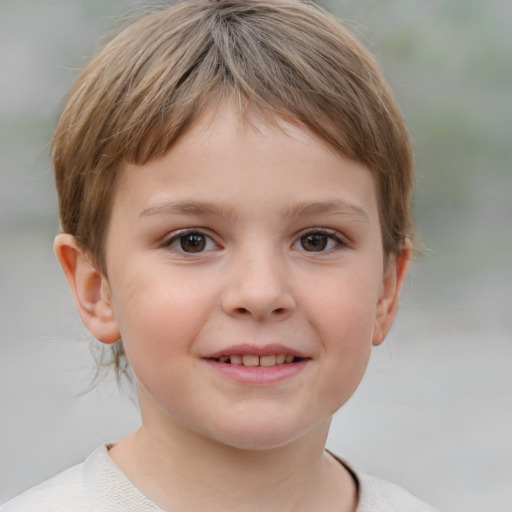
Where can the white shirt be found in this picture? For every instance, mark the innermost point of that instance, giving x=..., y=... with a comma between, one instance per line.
x=98, y=485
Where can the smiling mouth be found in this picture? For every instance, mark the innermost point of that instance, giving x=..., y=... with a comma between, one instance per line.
x=254, y=360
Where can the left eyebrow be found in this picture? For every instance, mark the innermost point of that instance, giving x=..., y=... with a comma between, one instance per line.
x=192, y=208
x=189, y=208
x=335, y=207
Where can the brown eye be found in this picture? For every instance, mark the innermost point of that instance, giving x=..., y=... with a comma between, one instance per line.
x=319, y=241
x=192, y=242
x=314, y=242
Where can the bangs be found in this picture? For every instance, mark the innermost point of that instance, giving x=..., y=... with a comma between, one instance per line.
x=159, y=82
x=280, y=59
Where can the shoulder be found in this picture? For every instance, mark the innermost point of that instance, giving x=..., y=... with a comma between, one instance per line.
x=94, y=485
x=64, y=490
x=376, y=495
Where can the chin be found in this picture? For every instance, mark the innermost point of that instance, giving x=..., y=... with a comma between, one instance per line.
x=261, y=436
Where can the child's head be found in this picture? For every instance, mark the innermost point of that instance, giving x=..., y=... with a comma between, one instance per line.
x=281, y=60
x=234, y=181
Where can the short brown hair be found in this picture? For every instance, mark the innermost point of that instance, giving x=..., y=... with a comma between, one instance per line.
x=286, y=58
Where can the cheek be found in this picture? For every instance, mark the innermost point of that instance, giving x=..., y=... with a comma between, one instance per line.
x=342, y=317
x=159, y=320
x=347, y=343
x=343, y=308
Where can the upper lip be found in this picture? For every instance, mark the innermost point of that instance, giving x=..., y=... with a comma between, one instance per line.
x=257, y=350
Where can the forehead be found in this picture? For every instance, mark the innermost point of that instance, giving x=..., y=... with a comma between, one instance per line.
x=239, y=161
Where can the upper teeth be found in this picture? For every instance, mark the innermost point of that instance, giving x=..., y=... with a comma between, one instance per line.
x=253, y=360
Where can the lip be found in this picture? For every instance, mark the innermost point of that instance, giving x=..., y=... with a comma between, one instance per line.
x=257, y=350
x=258, y=375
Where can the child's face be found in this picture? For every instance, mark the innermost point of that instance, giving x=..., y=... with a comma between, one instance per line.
x=248, y=243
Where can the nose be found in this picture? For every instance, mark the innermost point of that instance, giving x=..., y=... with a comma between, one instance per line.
x=258, y=288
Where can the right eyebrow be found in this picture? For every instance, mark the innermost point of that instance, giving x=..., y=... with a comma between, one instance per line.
x=191, y=208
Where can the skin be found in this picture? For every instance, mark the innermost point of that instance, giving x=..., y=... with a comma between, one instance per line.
x=251, y=196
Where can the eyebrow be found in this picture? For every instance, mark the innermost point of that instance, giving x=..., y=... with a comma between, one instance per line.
x=303, y=209
x=190, y=208
x=334, y=207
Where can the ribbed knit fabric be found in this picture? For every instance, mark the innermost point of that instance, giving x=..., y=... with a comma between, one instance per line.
x=98, y=485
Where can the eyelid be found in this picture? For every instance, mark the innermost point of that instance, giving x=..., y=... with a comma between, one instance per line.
x=174, y=236
x=333, y=234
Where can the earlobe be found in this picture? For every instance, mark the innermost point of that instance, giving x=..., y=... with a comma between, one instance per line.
x=393, y=279
x=90, y=289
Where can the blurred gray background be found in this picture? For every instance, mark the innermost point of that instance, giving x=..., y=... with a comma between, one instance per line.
x=434, y=412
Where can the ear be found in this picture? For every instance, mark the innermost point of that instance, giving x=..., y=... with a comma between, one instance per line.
x=90, y=289
x=392, y=281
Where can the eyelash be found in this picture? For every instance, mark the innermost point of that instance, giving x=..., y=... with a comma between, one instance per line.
x=179, y=237
x=204, y=241
x=330, y=236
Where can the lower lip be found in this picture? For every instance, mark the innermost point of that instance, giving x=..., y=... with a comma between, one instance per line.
x=258, y=375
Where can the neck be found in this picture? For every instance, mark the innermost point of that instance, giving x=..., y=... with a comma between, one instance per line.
x=183, y=470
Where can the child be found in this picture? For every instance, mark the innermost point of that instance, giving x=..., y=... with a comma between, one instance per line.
x=234, y=182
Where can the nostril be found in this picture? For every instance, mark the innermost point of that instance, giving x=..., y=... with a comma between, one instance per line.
x=279, y=310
